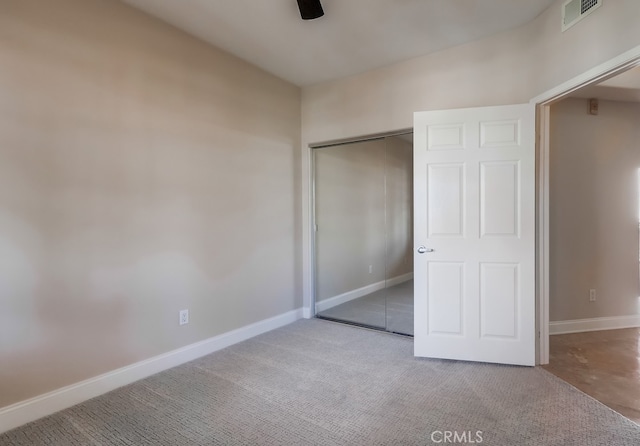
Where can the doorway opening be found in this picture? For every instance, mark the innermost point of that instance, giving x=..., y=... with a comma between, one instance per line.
x=543, y=102
x=592, y=228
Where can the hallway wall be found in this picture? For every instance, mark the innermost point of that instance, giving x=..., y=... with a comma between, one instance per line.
x=594, y=210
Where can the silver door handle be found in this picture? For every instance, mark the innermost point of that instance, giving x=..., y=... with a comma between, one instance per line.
x=424, y=249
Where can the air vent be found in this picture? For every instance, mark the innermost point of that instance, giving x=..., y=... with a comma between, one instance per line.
x=575, y=10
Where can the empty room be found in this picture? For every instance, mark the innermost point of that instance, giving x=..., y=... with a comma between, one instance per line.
x=167, y=265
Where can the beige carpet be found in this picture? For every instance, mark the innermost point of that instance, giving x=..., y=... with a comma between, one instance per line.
x=321, y=383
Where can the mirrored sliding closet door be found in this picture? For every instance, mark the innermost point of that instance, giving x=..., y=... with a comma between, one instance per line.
x=363, y=238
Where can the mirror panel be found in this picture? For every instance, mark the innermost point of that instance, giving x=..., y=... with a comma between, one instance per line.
x=350, y=232
x=399, y=233
x=363, y=246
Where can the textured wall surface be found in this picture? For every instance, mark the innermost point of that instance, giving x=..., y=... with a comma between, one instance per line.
x=141, y=172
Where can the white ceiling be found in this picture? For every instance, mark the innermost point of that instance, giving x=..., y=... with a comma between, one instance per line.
x=352, y=37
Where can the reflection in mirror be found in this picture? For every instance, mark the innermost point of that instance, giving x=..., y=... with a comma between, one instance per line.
x=363, y=246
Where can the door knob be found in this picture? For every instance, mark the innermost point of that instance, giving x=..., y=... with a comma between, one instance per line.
x=424, y=249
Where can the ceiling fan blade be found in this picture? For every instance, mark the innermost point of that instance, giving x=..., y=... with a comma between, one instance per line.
x=310, y=9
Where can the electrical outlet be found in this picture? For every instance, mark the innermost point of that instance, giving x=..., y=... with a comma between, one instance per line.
x=370, y=269
x=184, y=317
x=592, y=295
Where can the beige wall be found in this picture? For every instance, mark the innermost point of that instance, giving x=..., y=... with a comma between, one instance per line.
x=141, y=172
x=363, y=210
x=594, y=162
x=512, y=67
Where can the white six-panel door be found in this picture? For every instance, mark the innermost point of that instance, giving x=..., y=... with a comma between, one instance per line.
x=474, y=210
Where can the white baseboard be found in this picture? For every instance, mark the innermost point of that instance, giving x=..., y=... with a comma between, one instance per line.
x=49, y=403
x=595, y=324
x=334, y=301
x=399, y=279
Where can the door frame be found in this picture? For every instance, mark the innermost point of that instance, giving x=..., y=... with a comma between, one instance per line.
x=543, y=102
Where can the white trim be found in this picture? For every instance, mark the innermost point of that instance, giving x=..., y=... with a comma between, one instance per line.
x=597, y=74
x=308, y=223
x=595, y=324
x=399, y=279
x=310, y=298
x=49, y=403
x=334, y=301
x=340, y=299
x=544, y=120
